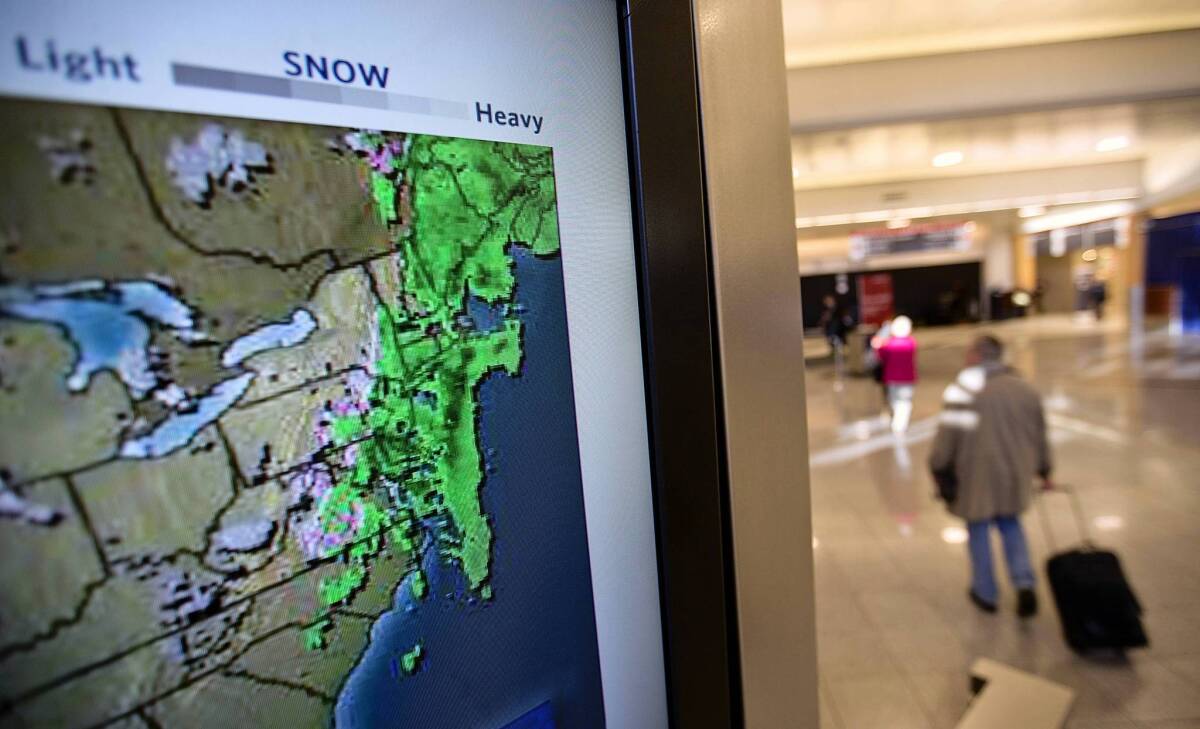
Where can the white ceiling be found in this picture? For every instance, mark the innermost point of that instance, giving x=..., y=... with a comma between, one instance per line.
x=828, y=32
x=1026, y=95
x=983, y=82
x=1145, y=149
x=1028, y=140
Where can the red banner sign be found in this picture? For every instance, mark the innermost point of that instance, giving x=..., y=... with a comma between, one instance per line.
x=875, y=302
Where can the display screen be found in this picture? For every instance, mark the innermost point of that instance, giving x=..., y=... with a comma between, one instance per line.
x=320, y=392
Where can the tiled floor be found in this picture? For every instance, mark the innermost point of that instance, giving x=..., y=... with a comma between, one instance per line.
x=896, y=633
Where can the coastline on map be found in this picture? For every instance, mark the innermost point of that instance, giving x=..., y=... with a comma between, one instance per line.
x=539, y=624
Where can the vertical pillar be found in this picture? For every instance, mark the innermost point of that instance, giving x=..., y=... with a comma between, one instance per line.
x=1024, y=262
x=744, y=121
x=1133, y=272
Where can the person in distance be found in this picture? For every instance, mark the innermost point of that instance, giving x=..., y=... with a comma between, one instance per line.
x=991, y=442
x=898, y=358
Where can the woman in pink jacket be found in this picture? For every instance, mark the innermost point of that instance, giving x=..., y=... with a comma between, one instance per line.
x=898, y=356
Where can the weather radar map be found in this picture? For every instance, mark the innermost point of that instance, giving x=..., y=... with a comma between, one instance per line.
x=287, y=432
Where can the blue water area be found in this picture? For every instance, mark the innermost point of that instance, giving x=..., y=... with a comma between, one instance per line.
x=105, y=322
x=270, y=336
x=540, y=718
x=181, y=426
x=485, y=317
x=534, y=643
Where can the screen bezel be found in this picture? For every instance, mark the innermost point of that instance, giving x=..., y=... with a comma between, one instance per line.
x=682, y=366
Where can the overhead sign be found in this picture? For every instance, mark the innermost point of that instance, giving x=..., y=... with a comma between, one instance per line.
x=912, y=239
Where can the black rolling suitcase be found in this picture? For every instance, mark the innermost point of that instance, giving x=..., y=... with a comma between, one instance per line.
x=1096, y=606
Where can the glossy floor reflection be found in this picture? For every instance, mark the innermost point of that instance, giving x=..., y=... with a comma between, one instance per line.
x=896, y=632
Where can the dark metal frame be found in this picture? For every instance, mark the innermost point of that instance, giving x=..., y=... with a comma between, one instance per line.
x=682, y=366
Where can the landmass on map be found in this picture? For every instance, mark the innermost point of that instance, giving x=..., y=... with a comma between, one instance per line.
x=239, y=395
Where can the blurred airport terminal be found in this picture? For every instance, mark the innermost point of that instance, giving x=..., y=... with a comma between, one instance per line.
x=1028, y=169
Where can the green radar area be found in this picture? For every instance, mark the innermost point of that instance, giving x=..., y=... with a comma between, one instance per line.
x=456, y=208
x=242, y=365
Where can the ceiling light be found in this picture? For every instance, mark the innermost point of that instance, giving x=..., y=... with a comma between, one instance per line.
x=947, y=159
x=1058, y=242
x=897, y=223
x=873, y=216
x=1090, y=255
x=1112, y=144
x=1031, y=211
x=843, y=219
x=1078, y=216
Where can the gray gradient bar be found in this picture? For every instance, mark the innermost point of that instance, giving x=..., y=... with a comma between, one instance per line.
x=258, y=84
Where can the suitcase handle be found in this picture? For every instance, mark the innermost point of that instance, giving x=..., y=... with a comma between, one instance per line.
x=1076, y=510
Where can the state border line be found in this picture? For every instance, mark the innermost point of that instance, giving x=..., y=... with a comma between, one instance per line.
x=94, y=465
x=191, y=681
x=218, y=669
x=8, y=705
x=324, y=379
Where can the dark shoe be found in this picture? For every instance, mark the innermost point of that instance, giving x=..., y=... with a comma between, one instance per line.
x=980, y=603
x=1026, y=603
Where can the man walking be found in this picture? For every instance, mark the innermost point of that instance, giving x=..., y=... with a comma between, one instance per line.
x=991, y=442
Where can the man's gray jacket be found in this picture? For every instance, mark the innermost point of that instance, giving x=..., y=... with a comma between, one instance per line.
x=991, y=442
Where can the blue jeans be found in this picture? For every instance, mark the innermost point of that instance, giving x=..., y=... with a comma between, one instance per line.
x=1016, y=555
